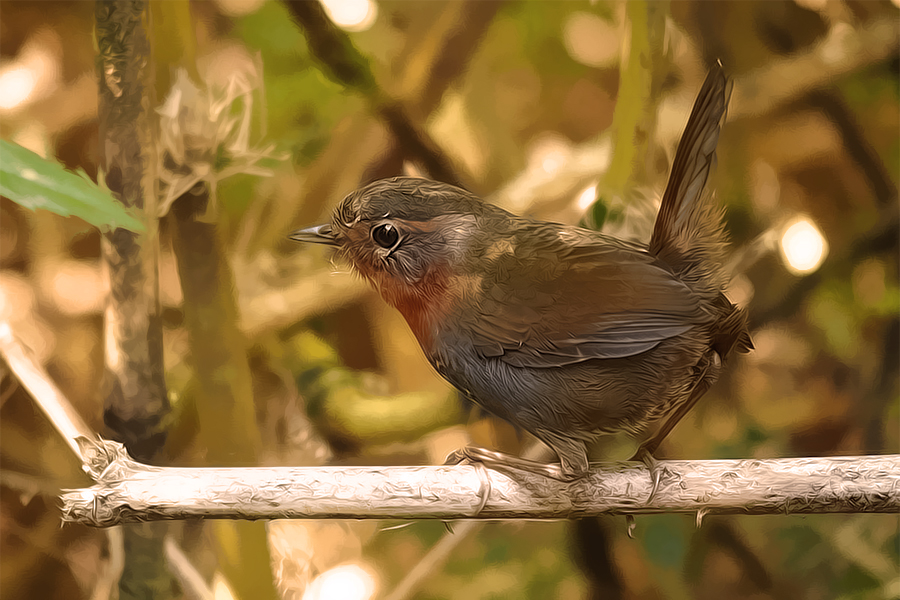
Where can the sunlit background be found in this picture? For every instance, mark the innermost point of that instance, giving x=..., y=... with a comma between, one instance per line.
x=523, y=98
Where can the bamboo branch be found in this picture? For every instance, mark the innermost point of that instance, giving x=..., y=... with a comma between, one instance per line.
x=129, y=491
x=49, y=398
x=345, y=65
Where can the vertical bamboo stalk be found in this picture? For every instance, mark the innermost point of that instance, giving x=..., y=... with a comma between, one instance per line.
x=136, y=402
x=222, y=390
x=634, y=119
x=224, y=394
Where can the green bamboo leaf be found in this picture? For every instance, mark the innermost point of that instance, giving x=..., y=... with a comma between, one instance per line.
x=34, y=182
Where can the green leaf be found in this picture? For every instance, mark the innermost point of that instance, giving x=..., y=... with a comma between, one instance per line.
x=34, y=182
x=601, y=212
x=596, y=215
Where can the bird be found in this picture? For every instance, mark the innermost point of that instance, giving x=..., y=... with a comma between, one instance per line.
x=562, y=331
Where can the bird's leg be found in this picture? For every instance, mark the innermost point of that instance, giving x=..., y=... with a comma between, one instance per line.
x=572, y=454
x=573, y=458
x=709, y=375
x=501, y=460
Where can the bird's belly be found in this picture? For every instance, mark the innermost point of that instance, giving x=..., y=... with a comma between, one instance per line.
x=577, y=400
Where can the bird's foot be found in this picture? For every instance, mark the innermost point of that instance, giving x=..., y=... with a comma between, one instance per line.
x=656, y=470
x=501, y=460
x=457, y=457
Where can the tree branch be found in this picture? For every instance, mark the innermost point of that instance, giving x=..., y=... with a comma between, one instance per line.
x=129, y=491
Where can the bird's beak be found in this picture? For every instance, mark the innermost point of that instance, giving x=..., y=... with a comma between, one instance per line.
x=320, y=234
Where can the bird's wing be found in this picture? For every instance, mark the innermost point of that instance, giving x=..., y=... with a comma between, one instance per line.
x=563, y=296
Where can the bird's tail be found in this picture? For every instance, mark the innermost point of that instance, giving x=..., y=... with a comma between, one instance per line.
x=688, y=234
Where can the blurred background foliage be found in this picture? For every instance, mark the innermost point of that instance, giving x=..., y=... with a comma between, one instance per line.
x=532, y=102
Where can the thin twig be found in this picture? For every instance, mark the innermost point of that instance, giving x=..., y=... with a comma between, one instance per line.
x=438, y=554
x=35, y=379
x=112, y=567
x=843, y=50
x=433, y=559
x=192, y=582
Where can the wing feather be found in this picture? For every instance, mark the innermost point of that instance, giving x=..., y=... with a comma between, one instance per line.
x=565, y=296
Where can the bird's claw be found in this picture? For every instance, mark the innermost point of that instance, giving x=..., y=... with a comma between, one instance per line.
x=470, y=454
x=457, y=457
x=630, y=525
x=653, y=465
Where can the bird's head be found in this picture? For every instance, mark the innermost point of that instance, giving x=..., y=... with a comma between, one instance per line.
x=410, y=237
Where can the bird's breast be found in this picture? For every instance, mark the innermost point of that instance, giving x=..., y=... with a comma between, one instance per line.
x=426, y=305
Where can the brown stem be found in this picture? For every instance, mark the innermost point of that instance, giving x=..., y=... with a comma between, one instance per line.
x=218, y=349
x=223, y=395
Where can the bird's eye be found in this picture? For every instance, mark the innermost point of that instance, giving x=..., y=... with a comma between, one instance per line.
x=385, y=235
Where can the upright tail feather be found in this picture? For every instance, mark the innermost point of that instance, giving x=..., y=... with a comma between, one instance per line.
x=688, y=234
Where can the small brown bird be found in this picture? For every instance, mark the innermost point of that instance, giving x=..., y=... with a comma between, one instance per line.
x=562, y=331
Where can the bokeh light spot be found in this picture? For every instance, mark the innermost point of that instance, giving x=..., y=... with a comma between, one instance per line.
x=803, y=247
x=16, y=86
x=590, y=40
x=352, y=15
x=587, y=197
x=346, y=582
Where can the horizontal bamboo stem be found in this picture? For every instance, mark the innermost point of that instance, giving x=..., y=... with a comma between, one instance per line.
x=129, y=491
